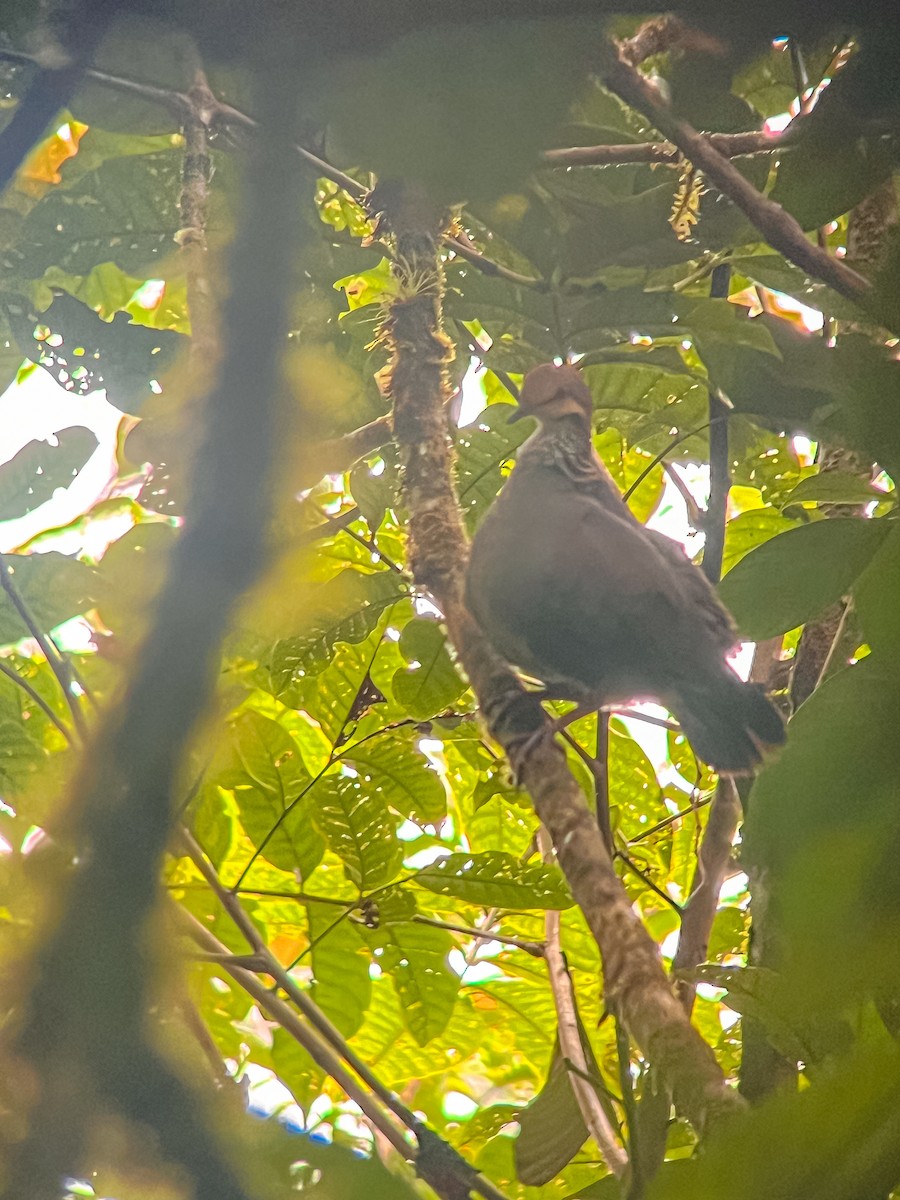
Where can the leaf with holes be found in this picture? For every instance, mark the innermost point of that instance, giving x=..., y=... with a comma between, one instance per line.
x=34, y=474
x=431, y=682
x=415, y=957
x=496, y=880
x=358, y=828
x=268, y=789
x=396, y=770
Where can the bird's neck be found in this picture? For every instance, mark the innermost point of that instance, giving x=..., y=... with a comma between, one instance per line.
x=565, y=445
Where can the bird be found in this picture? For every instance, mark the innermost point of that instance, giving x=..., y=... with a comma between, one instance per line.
x=571, y=589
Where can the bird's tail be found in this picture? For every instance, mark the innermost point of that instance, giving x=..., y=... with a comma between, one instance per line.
x=729, y=723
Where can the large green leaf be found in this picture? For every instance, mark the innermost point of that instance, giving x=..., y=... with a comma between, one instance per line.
x=793, y=577
x=431, y=682
x=269, y=792
x=495, y=880
x=355, y=822
x=340, y=964
x=393, y=768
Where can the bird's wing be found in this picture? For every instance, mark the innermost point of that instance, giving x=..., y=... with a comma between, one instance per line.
x=599, y=599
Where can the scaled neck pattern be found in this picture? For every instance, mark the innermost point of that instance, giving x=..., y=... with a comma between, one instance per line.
x=564, y=446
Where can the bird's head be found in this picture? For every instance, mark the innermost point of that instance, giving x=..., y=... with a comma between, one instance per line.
x=550, y=393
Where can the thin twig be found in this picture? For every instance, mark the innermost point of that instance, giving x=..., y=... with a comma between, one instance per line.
x=719, y=462
x=645, y=878
x=729, y=145
x=56, y=661
x=36, y=698
x=698, y=913
x=670, y=820
x=535, y=949
x=598, y=1124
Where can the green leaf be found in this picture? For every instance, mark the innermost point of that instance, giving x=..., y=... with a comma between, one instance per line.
x=374, y=494
x=482, y=450
x=52, y=586
x=805, y=1144
x=495, y=880
x=415, y=957
x=125, y=211
x=394, y=769
x=345, y=609
x=368, y=287
x=356, y=824
x=340, y=964
x=268, y=792
x=20, y=758
x=34, y=474
x=431, y=682
x=834, y=487
x=794, y=577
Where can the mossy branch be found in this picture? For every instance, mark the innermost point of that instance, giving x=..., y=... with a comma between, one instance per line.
x=637, y=988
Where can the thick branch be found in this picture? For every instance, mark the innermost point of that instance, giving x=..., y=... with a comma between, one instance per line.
x=86, y=1015
x=777, y=226
x=637, y=989
x=279, y=1010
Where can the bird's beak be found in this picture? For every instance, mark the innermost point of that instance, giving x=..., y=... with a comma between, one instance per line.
x=518, y=415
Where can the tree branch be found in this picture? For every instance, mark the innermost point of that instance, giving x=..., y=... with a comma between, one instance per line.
x=777, y=226
x=323, y=1040
x=699, y=912
x=571, y=1048
x=59, y=70
x=36, y=698
x=57, y=662
x=728, y=145
x=637, y=989
x=89, y=983
x=719, y=462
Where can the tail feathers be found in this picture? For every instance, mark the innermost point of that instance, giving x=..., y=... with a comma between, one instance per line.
x=729, y=723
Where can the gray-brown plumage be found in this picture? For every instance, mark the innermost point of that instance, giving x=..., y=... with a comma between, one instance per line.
x=572, y=589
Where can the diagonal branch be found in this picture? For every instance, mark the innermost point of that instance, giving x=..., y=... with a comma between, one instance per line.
x=317, y=1034
x=699, y=911
x=777, y=226
x=598, y=1124
x=59, y=71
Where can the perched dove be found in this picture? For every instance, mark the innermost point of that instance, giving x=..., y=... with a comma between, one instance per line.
x=571, y=588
